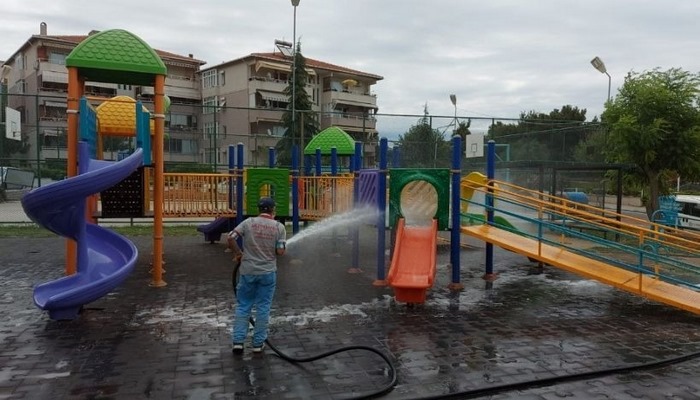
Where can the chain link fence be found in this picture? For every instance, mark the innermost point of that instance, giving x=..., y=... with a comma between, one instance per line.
x=198, y=136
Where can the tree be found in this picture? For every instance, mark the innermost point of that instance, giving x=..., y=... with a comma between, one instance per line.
x=654, y=123
x=463, y=130
x=591, y=149
x=305, y=121
x=424, y=146
x=539, y=136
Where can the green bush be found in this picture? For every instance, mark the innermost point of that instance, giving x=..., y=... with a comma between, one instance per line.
x=53, y=173
x=188, y=168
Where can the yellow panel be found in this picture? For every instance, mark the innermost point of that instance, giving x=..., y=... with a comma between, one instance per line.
x=117, y=117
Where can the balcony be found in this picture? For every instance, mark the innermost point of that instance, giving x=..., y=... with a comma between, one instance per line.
x=356, y=121
x=256, y=83
x=183, y=90
x=358, y=99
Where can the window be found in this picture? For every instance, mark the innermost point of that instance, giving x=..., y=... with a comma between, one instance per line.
x=189, y=146
x=20, y=86
x=210, y=128
x=180, y=146
x=222, y=78
x=278, y=130
x=20, y=61
x=57, y=58
x=209, y=105
x=210, y=78
x=180, y=121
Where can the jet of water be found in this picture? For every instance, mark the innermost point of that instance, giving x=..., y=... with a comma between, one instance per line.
x=345, y=220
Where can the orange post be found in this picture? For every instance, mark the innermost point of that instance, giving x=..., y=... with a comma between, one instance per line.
x=74, y=92
x=158, y=182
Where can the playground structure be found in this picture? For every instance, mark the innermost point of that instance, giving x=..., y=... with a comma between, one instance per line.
x=647, y=259
x=97, y=260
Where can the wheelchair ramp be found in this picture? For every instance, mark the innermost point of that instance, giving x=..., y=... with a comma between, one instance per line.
x=641, y=284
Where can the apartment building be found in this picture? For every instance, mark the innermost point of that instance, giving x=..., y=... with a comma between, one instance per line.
x=243, y=101
x=38, y=67
x=239, y=101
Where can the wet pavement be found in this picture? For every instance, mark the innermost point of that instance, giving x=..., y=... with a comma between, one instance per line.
x=174, y=342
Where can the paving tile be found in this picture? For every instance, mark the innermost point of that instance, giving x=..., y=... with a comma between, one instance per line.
x=174, y=342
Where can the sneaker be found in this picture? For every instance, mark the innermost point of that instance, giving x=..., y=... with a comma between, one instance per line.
x=258, y=348
x=228, y=251
x=237, y=348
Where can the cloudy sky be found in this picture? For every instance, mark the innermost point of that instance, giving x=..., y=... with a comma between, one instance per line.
x=500, y=57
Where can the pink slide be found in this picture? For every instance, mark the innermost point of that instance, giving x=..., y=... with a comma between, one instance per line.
x=413, y=264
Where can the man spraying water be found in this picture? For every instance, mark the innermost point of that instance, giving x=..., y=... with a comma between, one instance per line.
x=264, y=239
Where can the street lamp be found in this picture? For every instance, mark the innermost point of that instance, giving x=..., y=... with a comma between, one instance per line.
x=453, y=99
x=598, y=64
x=295, y=3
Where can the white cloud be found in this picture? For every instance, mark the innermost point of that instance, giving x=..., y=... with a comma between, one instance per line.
x=500, y=58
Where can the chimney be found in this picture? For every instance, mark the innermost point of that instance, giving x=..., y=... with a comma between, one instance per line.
x=42, y=29
x=191, y=55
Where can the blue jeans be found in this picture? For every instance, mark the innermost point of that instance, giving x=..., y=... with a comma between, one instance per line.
x=258, y=291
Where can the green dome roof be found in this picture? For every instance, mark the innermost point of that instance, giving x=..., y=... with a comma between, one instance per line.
x=329, y=138
x=116, y=56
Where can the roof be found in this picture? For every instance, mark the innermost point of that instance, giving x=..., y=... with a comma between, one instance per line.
x=310, y=63
x=331, y=137
x=74, y=40
x=116, y=55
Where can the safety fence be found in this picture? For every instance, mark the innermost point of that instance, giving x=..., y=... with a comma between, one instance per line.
x=648, y=249
x=214, y=195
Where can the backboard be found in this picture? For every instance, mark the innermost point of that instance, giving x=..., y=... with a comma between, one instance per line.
x=475, y=145
x=13, y=124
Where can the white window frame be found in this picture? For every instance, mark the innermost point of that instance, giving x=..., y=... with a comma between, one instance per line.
x=210, y=78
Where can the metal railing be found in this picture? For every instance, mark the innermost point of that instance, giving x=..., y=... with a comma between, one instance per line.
x=651, y=249
x=194, y=195
x=214, y=195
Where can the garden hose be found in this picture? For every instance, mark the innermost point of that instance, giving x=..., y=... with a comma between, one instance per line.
x=380, y=392
x=485, y=391
x=538, y=383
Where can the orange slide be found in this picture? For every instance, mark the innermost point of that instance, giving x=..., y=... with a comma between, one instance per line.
x=412, y=268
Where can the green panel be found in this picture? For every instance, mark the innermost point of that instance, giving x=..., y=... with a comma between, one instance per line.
x=329, y=138
x=438, y=178
x=261, y=179
x=116, y=56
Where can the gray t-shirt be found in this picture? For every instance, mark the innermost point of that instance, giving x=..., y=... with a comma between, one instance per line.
x=261, y=235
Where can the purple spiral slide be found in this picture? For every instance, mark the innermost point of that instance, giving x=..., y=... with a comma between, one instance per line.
x=105, y=258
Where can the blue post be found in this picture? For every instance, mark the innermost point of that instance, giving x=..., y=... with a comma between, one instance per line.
x=295, y=189
x=271, y=157
x=355, y=166
x=455, y=233
x=318, y=162
x=381, y=212
x=231, y=171
x=490, y=174
x=239, y=184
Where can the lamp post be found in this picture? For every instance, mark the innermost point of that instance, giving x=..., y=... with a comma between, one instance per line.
x=598, y=64
x=295, y=3
x=453, y=99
